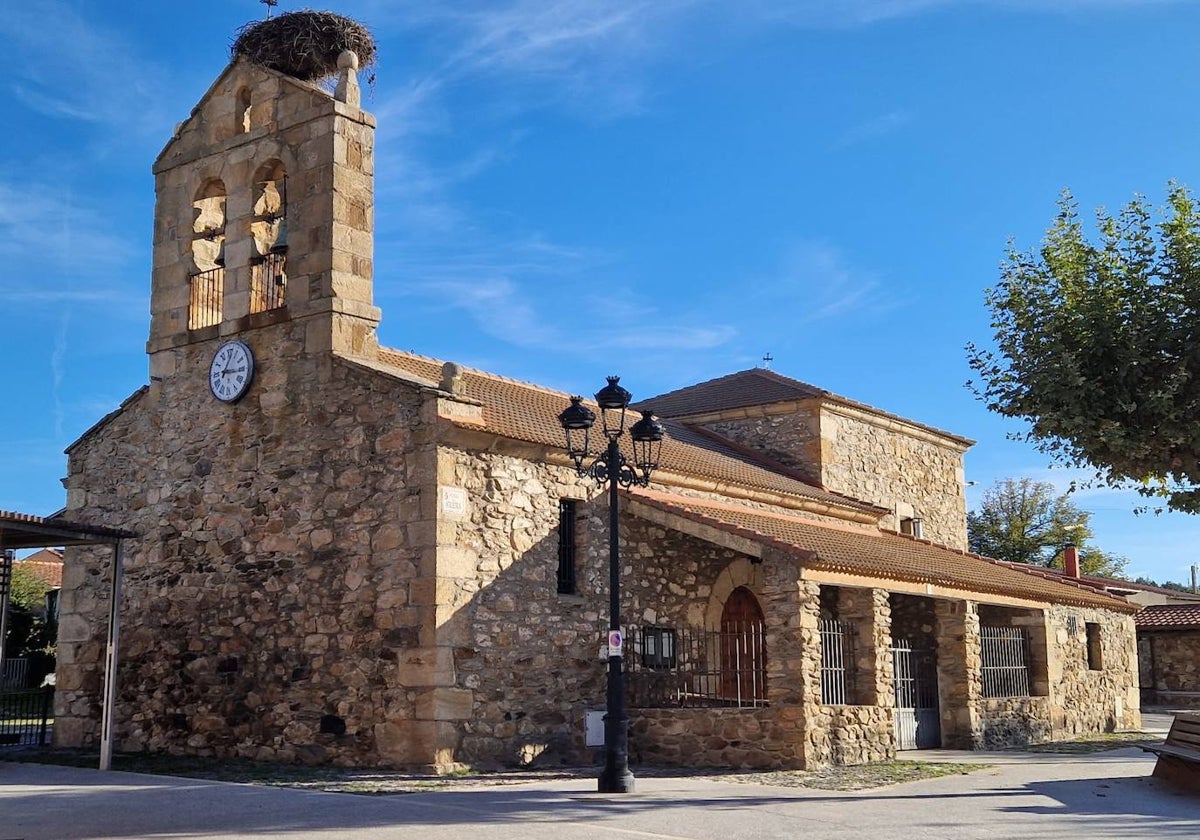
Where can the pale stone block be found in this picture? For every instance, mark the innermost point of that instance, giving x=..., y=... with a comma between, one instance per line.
x=73, y=628
x=446, y=704
x=431, y=666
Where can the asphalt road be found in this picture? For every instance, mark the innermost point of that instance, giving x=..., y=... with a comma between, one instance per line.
x=1027, y=796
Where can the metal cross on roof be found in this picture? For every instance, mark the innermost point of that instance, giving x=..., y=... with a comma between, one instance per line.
x=767, y=359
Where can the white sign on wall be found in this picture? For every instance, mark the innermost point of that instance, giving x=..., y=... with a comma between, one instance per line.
x=453, y=501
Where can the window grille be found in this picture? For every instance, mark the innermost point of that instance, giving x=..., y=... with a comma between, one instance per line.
x=268, y=283
x=696, y=667
x=204, y=301
x=567, y=523
x=658, y=648
x=1004, y=652
x=838, y=667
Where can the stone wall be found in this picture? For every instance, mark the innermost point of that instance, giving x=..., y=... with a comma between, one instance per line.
x=271, y=590
x=524, y=659
x=851, y=735
x=899, y=468
x=1089, y=700
x=1069, y=700
x=793, y=439
x=1171, y=662
x=704, y=738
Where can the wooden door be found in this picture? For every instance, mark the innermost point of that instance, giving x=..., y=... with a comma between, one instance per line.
x=743, y=649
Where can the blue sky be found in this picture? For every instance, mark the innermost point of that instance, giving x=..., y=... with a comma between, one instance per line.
x=664, y=189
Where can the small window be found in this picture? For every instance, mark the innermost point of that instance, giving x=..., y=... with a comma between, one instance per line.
x=913, y=526
x=243, y=111
x=567, y=524
x=658, y=648
x=1095, y=651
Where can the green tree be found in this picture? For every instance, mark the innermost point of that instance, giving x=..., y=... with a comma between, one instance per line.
x=1166, y=584
x=1025, y=521
x=1096, y=346
x=29, y=634
x=28, y=590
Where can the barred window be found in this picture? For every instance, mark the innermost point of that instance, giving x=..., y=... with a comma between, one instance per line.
x=1004, y=652
x=567, y=523
x=837, y=663
x=658, y=648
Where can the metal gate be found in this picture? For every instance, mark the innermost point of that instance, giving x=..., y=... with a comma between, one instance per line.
x=916, y=721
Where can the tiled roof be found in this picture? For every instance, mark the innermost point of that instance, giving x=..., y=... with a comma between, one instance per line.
x=873, y=553
x=1168, y=617
x=525, y=412
x=759, y=386
x=46, y=565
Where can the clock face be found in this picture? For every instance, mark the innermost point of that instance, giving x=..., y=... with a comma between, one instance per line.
x=231, y=370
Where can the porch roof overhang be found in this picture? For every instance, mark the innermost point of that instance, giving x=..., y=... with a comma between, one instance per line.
x=846, y=554
x=23, y=530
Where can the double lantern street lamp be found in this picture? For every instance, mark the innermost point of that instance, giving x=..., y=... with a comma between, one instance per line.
x=612, y=467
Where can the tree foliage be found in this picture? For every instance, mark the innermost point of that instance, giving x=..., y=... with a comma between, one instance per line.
x=1166, y=584
x=1025, y=521
x=29, y=634
x=1096, y=346
x=28, y=590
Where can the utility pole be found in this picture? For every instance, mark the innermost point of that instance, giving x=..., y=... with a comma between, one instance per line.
x=6, y=565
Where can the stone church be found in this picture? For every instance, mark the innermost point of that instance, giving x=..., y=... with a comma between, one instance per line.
x=356, y=555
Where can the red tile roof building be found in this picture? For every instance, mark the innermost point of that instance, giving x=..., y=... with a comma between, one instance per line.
x=365, y=556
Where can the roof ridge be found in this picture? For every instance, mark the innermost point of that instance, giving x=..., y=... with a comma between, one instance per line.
x=533, y=386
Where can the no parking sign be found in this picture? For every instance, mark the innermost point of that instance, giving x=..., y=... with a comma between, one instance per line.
x=615, y=642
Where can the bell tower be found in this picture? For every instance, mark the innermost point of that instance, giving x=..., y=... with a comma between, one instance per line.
x=263, y=221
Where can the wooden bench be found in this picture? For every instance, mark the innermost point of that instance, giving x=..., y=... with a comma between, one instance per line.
x=1179, y=756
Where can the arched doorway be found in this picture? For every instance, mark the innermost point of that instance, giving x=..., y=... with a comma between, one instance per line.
x=743, y=649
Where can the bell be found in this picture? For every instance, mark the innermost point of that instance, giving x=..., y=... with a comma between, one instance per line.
x=219, y=259
x=280, y=245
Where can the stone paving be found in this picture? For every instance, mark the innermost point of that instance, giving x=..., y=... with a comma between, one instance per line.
x=1032, y=797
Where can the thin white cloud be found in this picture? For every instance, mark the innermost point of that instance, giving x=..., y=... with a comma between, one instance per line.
x=874, y=128
x=816, y=281
x=64, y=65
x=42, y=224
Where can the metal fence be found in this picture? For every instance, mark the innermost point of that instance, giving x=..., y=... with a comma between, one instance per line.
x=25, y=717
x=16, y=674
x=268, y=283
x=837, y=663
x=1004, y=652
x=695, y=667
x=204, y=302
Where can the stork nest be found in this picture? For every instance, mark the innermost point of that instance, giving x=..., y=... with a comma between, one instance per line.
x=304, y=44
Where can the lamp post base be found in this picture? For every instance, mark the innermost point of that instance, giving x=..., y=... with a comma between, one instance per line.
x=615, y=780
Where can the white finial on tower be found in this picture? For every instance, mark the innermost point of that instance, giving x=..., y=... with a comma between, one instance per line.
x=348, y=90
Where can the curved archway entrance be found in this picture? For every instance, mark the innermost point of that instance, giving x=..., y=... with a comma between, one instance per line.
x=743, y=648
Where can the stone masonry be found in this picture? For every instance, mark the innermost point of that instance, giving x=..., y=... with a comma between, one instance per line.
x=346, y=565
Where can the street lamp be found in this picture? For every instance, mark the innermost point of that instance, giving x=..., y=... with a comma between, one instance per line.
x=613, y=468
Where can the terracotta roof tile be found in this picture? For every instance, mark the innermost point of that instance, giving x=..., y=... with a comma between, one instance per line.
x=758, y=386
x=870, y=552
x=1168, y=617
x=46, y=565
x=525, y=412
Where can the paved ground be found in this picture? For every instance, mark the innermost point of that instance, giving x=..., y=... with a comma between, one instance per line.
x=1026, y=796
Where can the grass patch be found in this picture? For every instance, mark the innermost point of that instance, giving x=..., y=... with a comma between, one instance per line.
x=368, y=782
x=1092, y=743
x=858, y=776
